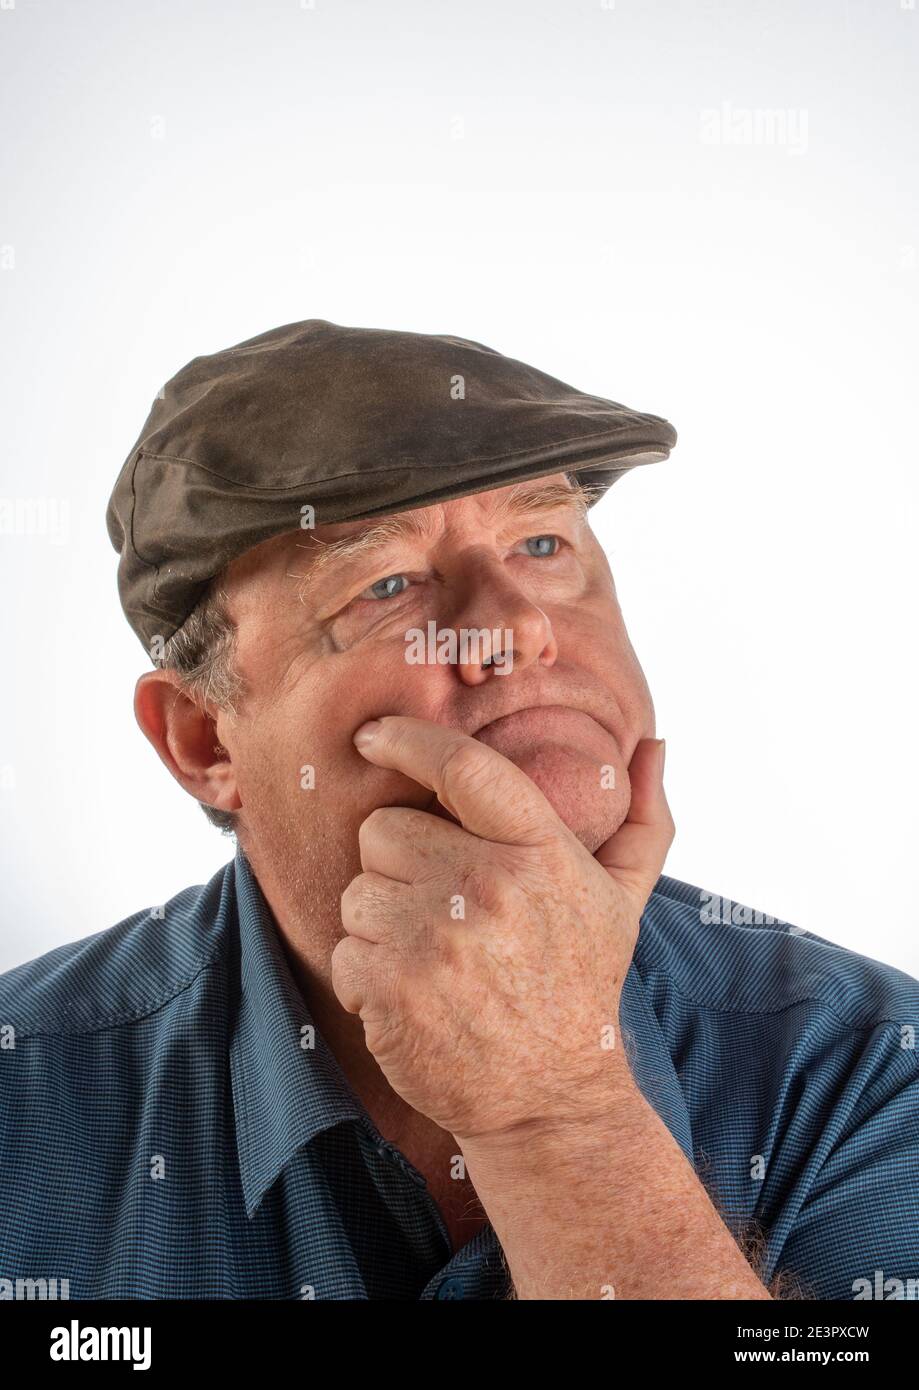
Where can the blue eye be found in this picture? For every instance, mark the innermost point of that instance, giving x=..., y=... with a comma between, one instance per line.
x=540, y=547
x=544, y=545
x=386, y=588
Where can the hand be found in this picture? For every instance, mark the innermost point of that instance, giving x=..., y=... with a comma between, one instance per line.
x=486, y=958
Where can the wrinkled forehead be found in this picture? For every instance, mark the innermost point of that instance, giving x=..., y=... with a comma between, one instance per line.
x=300, y=554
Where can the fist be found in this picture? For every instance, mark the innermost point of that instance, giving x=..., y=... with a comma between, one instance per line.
x=486, y=957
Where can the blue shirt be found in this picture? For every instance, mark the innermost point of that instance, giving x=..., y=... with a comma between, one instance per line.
x=170, y=1127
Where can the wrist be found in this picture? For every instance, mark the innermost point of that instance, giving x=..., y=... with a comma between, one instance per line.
x=571, y=1132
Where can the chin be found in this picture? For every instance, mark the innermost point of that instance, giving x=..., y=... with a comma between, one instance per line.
x=570, y=782
x=591, y=812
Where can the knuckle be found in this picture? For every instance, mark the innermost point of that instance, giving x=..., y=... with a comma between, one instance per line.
x=412, y=824
x=464, y=768
x=343, y=962
x=489, y=888
x=354, y=893
x=391, y=822
x=376, y=823
x=365, y=899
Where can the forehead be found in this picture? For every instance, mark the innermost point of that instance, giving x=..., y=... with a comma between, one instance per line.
x=318, y=549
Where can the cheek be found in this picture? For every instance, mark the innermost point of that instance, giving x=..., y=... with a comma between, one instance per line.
x=305, y=734
x=593, y=638
x=637, y=702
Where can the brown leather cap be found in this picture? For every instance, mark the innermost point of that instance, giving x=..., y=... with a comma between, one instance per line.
x=351, y=422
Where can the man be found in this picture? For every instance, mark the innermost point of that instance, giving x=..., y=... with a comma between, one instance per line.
x=442, y=1028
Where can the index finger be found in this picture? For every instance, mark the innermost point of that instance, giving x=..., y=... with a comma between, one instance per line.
x=487, y=794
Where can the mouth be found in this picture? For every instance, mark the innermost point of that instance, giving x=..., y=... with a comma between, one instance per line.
x=531, y=715
x=533, y=721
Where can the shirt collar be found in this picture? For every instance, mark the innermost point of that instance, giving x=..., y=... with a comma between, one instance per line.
x=285, y=1091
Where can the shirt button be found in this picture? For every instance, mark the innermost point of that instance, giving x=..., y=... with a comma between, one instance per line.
x=451, y=1288
x=388, y=1150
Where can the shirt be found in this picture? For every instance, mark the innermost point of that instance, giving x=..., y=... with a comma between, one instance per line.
x=172, y=1125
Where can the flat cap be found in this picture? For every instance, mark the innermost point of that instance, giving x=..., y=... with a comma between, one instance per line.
x=316, y=423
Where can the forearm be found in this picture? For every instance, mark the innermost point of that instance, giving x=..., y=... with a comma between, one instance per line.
x=610, y=1209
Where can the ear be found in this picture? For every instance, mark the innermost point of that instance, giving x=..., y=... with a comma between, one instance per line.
x=185, y=736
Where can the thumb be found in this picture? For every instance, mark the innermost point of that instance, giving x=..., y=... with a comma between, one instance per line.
x=635, y=855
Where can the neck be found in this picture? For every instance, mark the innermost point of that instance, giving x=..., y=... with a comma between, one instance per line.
x=304, y=895
x=305, y=905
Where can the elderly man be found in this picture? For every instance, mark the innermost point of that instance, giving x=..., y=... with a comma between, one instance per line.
x=442, y=1029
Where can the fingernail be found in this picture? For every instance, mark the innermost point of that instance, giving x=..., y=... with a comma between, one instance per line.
x=662, y=754
x=367, y=733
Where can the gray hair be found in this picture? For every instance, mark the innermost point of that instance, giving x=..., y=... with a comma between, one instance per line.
x=201, y=652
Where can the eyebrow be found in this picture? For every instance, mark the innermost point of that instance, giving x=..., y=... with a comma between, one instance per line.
x=524, y=500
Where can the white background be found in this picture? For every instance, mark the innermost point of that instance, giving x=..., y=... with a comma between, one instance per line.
x=547, y=177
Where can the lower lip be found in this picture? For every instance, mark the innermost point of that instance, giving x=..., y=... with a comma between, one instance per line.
x=540, y=719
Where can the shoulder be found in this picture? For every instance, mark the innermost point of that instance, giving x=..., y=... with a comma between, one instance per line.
x=722, y=955
x=798, y=1066
x=123, y=974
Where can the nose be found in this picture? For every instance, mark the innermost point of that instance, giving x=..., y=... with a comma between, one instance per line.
x=499, y=629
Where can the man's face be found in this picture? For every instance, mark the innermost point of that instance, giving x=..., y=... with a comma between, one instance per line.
x=323, y=619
